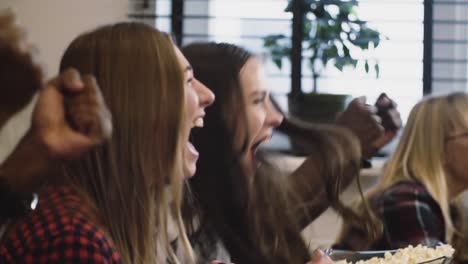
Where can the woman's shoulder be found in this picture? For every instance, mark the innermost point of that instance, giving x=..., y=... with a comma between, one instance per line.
x=406, y=195
x=58, y=231
x=404, y=191
x=410, y=215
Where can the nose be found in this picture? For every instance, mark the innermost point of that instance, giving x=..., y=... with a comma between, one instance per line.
x=205, y=95
x=274, y=118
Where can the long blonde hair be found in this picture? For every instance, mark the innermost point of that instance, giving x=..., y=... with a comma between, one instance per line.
x=124, y=180
x=420, y=153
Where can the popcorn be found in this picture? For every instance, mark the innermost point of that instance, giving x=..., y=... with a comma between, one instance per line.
x=409, y=255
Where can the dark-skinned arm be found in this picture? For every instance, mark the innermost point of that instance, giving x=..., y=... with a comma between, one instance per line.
x=69, y=117
x=66, y=122
x=326, y=163
x=365, y=124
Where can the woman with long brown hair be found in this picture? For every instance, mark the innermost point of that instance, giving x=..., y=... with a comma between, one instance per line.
x=249, y=213
x=113, y=204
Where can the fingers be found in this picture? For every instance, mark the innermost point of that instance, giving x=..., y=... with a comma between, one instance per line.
x=387, y=111
x=383, y=101
x=20, y=74
x=9, y=29
x=364, y=122
x=318, y=254
x=6, y=17
x=372, y=109
x=384, y=139
x=71, y=122
x=21, y=79
x=371, y=124
x=362, y=119
x=12, y=35
x=357, y=103
x=392, y=120
x=71, y=80
x=319, y=257
x=87, y=113
x=68, y=81
x=105, y=118
x=360, y=100
x=70, y=146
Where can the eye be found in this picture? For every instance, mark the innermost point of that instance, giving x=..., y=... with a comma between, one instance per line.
x=190, y=80
x=259, y=98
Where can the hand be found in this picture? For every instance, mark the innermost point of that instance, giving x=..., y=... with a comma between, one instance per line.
x=391, y=120
x=364, y=122
x=386, y=109
x=20, y=74
x=320, y=258
x=70, y=115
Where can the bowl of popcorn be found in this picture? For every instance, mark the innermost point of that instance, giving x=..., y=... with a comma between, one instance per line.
x=441, y=254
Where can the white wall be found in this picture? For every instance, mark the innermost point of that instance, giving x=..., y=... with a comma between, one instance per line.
x=52, y=25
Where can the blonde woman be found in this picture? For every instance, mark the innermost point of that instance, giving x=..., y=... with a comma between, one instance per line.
x=111, y=205
x=421, y=179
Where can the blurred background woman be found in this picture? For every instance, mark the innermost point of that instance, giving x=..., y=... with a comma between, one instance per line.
x=421, y=180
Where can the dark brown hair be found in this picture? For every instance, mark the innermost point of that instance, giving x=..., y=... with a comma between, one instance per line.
x=257, y=222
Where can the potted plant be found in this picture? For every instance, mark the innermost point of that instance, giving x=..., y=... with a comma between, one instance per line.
x=332, y=29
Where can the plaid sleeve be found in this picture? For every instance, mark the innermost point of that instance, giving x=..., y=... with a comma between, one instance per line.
x=80, y=243
x=58, y=231
x=410, y=217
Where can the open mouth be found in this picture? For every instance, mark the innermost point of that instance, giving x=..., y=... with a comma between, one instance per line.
x=197, y=124
x=255, y=155
x=256, y=161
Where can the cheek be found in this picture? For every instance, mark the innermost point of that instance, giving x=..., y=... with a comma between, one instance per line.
x=456, y=159
x=460, y=158
x=191, y=100
x=255, y=120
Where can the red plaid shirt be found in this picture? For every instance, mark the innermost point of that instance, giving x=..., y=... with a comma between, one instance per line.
x=410, y=217
x=57, y=232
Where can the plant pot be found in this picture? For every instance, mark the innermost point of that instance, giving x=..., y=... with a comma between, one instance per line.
x=315, y=108
x=318, y=108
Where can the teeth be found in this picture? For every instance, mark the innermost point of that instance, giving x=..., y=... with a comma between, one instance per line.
x=198, y=122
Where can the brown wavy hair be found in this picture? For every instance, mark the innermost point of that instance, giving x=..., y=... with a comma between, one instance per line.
x=256, y=219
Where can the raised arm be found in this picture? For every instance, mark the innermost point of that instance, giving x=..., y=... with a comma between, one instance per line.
x=69, y=117
x=333, y=161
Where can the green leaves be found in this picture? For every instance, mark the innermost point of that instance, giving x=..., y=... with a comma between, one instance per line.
x=331, y=30
x=342, y=62
x=272, y=40
x=279, y=47
x=331, y=52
